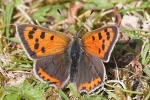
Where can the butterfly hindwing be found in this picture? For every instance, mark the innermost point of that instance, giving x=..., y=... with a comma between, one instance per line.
x=53, y=69
x=91, y=73
x=100, y=42
x=39, y=42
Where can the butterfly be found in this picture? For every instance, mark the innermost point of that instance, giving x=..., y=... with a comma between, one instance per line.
x=59, y=59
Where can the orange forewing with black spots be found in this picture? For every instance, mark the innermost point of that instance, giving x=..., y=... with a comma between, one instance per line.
x=39, y=42
x=100, y=42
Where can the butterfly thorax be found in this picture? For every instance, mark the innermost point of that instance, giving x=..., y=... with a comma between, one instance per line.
x=75, y=50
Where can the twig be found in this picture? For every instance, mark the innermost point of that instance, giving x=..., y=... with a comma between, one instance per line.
x=22, y=8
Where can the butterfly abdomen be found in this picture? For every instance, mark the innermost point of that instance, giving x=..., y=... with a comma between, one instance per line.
x=75, y=54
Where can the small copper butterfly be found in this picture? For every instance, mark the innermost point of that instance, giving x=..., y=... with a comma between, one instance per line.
x=59, y=59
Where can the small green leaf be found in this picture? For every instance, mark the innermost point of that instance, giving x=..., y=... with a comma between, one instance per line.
x=101, y=3
x=138, y=41
x=7, y=17
x=18, y=2
x=41, y=13
x=111, y=95
x=13, y=39
x=147, y=97
x=147, y=71
x=27, y=91
x=144, y=53
x=13, y=96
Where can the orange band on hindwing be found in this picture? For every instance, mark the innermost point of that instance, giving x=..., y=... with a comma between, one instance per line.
x=47, y=77
x=90, y=86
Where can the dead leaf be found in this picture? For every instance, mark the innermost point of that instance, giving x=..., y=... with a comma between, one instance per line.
x=117, y=16
x=72, y=13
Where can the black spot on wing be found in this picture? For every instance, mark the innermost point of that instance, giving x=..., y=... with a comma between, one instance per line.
x=103, y=46
x=30, y=36
x=103, y=41
x=108, y=35
x=31, y=32
x=34, y=29
x=99, y=36
x=52, y=37
x=42, y=36
x=36, y=45
x=36, y=40
x=93, y=38
x=99, y=50
x=105, y=30
x=43, y=49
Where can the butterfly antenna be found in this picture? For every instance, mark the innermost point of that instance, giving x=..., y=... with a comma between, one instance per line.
x=62, y=16
x=84, y=22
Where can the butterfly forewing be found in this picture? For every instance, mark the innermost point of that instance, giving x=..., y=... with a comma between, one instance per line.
x=39, y=42
x=101, y=42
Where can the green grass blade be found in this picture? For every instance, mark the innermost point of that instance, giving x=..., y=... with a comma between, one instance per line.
x=63, y=95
